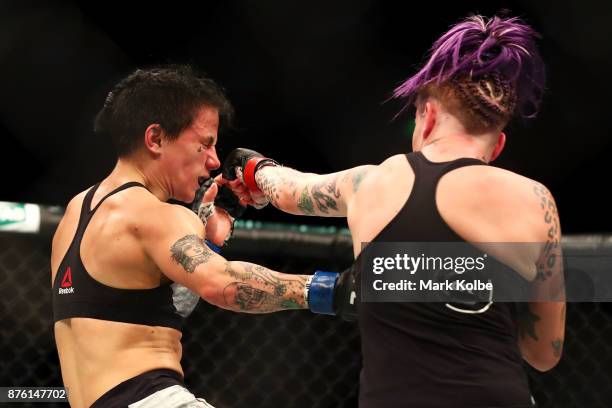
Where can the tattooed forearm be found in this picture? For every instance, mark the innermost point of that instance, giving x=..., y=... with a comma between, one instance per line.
x=305, y=204
x=259, y=273
x=259, y=290
x=274, y=182
x=236, y=274
x=245, y=296
x=307, y=193
x=551, y=257
x=325, y=195
x=250, y=299
x=558, y=343
x=190, y=251
x=526, y=321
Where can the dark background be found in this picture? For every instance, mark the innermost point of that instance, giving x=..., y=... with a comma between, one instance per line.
x=308, y=80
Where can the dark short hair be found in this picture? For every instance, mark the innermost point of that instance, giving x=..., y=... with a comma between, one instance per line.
x=170, y=96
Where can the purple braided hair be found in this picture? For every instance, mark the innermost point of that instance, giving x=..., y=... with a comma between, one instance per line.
x=478, y=47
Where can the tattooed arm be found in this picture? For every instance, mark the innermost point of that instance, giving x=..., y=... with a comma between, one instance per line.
x=541, y=324
x=541, y=328
x=174, y=241
x=299, y=193
x=287, y=189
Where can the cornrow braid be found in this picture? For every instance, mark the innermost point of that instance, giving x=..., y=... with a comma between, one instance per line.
x=489, y=99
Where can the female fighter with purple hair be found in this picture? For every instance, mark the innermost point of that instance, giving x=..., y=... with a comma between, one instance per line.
x=479, y=74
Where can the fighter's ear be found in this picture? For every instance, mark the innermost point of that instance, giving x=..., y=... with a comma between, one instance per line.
x=499, y=146
x=429, y=115
x=153, y=138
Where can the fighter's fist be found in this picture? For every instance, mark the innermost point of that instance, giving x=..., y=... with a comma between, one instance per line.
x=239, y=168
x=244, y=196
x=245, y=162
x=238, y=158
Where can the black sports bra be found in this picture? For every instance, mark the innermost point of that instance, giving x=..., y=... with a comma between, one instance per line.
x=77, y=294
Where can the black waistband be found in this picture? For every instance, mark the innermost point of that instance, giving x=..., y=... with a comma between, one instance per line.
x=137, y=388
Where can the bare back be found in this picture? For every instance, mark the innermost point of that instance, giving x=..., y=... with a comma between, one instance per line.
x=96, y=355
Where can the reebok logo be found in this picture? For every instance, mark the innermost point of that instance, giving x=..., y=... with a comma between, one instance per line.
x=67, y=279
x=64, y=291
x=66, y=285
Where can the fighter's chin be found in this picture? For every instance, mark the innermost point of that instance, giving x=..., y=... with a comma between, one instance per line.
x=186, y=196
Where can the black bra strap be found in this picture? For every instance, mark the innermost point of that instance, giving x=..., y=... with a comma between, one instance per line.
x=118, y=189
x=87, y=201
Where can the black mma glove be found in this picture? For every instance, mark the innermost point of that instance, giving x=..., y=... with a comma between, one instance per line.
x=248, y=162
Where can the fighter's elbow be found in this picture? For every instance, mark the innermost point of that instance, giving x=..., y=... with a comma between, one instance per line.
x=213, y=292
x=543, y=362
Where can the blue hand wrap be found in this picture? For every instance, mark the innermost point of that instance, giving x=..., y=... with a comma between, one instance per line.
x=321, y=292
x=213, y=247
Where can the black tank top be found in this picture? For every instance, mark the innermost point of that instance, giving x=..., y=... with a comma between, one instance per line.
x=77, y=294
x=426, y=354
